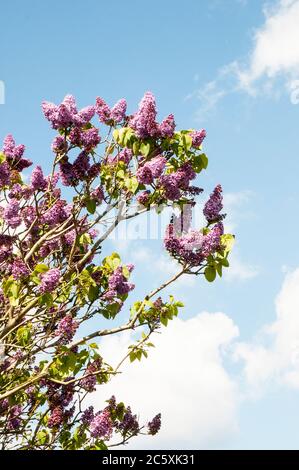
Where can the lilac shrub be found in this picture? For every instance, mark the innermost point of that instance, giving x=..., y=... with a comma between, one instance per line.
x=108, y=166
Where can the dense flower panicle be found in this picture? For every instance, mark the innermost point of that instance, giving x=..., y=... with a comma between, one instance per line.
x=66, y=113
x=118, y=112
x=192, y=247
x=88, y=138
x=28, y=215
x=184, y=175
x=19, y=269
x=143, y=198
x=198, y=137
x=157, y=165
x=154, y=425
x=81, y=165
x=167, y=126
x=14, y=420
x=56, y=417
x=144, y=121
x=4, y=174
x=58, y=213
x=129, y=423
x=89, y=382
x=38, y=181
x=212, y=241
x=186, y=247
x=50, y=246
x=103, y=111
x=11, y=214
x=84, y=116
x=151, y=170
x=118, y=283
x=214, y=205
x=170, y=187
x=59, y=144
x=66, y=329
x=67, y=174
x=50, y=280
x=144, y=175
x=4, y=405
x=101, y=425
x=16, y=192
x=10, y=149
x=87, y=416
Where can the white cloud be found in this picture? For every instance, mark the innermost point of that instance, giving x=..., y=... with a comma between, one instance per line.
x=184, y=378
x=276, y=45
x=274, y=355
x=187, y=376
x=274, y=55
x=238, y=269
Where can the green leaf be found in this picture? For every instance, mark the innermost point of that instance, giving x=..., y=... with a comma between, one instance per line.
x=136, y=147
x=139, y=354
x=219, y=269
x=41, y=268
x=228, y=241
x=187, y=141
x=42, y=436
x=225, y=262
x=145, y=148
x=93, y=293
x=90, y=205
x=132, y=356
x=113, y=261
x=204, y=160
x=46, y=299
x=210, y=273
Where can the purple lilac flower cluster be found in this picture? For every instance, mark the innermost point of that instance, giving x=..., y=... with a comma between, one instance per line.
x=109, y=116
x=154, y=425
x=89, y=382
x=19, y=269
x=129, y=424
x=66, y=329
x=151, y=170
x=50, y=280
x=193, y=247
x=101, y=425
x=118, y=284
x=66, y=114
x=214, y=205
x=14, y=154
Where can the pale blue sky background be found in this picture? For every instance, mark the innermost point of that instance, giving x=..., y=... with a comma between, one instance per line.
x=122, y=49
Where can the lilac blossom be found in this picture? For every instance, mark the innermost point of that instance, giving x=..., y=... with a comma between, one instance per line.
x=144, y=120
x=118, y=112
x=154, y=425
x=167, y=126
x=101, y=425
x=198, y=137
x=11, y=214
x=214, y=205
x=38, y=181
x=66, y=329
x=50, y=280
x=19, y=269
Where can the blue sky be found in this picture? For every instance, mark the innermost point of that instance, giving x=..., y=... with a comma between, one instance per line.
x=229, y=66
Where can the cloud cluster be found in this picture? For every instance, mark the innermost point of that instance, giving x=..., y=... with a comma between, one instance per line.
x=188, y=377
x=274, y=55
x=184, y=378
